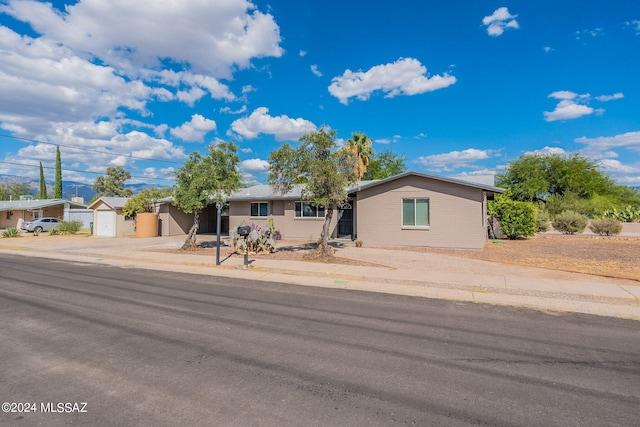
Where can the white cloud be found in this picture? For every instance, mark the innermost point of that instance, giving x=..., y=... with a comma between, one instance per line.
x=634, y=25
x=571, y=106
x=282, y=127
x=500, y=20
x=228, y=110
x=606, y=98
x=314, y=70
x=548, y=150
x=595, y=32
x=255, y=165
x=406, y=76
x=41, y=82
x=212, y=37
x=385, y=141
x=194, y=130
x=629, y=141
x=454, y=159
x=615, y=167
x=548, y=49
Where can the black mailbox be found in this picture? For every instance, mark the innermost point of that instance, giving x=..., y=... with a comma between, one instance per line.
x=244, y=230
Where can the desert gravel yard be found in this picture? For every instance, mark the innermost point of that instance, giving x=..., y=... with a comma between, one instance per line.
x=617, y=257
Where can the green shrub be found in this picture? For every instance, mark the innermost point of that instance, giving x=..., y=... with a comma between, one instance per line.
x=11, y=232
x=517, y=219
x=629, y=213
x=570, y=222
x=69, y=227
x=606, y=226
x=542, y=221
x=54, y=231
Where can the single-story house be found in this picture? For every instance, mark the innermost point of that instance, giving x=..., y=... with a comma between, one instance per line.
x=14, y=212
x=108, y=220
x=409, y=209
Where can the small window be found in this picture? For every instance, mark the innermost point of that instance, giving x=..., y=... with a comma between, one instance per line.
x=260, y=209
x=308, y=210
x=415, y=212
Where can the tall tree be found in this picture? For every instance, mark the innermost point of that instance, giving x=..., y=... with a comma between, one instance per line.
x=42, y=193
x=536, y=176
x=57, y=184
x=14, y=190
x=326, y=171
x=202, y=180
x=112, y=184
x=385, y=164
x=360, y=146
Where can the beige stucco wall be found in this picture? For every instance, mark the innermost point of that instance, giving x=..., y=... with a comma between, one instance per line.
x=456, y=218
x=8, y=220
x=174, y=222
x=282, y=212
x=124, y=227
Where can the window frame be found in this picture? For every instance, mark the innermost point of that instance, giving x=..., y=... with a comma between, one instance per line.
x=415, y=213
x=318, y=210
x=259, y=211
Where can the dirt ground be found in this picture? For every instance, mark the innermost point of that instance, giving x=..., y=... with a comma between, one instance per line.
x=617, y=257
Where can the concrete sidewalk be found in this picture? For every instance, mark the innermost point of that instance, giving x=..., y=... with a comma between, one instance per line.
x=426, y=275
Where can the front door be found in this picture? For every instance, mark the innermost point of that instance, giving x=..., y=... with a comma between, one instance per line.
x=345, y=221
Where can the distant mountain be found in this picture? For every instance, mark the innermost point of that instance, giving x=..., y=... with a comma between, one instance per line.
x=69, y=188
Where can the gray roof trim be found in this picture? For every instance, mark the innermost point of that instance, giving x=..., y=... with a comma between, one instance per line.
x=434, y=177
x=29, y=205
x=112, y=202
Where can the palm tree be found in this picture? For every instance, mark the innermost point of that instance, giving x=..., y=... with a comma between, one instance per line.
x=360, y=146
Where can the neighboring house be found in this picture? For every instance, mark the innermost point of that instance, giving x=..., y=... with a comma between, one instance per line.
x=108, y=220
x=409, y=209
x=13, y=213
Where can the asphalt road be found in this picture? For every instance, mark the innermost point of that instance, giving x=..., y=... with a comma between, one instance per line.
x=140, y=347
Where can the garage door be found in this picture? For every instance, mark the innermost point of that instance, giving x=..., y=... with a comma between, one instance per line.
x=106, y=224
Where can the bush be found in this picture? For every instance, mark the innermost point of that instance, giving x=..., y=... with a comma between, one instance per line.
x=11, y=232
x=628, y=214
x=68, y=227
x=517, y=219
x=542, y=221
x=570, y=222
x=606, y=226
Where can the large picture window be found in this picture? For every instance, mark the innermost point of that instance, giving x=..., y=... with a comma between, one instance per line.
x=260, y=209
x=415, y=212
x=308, y=210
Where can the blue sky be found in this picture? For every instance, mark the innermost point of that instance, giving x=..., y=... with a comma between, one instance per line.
x=459, y=88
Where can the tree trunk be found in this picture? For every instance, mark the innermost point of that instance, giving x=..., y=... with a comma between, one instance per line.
x=323, y=243
x=190, y=243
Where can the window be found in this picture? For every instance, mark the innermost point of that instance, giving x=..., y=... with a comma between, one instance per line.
x=415, y=212
x=260, y=209
x=308, y=210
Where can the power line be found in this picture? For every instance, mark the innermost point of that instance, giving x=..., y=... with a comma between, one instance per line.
x=109, y=153
x=73, y=170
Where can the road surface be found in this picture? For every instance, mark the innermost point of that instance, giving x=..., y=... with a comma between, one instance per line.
x=89, y=344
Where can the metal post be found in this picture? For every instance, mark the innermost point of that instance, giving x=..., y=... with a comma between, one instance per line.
x=219, y=207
